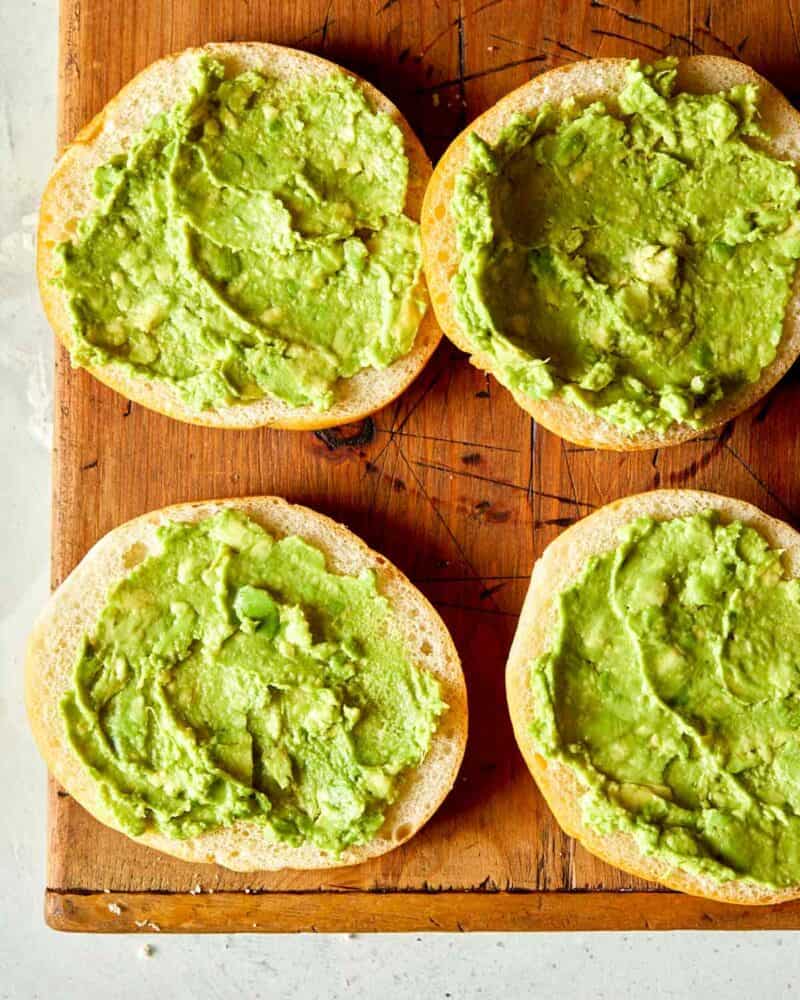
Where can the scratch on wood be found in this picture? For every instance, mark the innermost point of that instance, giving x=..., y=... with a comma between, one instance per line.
x=502, y=482
x=321, y=29
x=439, y=516
x=476, y=610
x=697, y=465
x=735, y=53
x=445, y=440
x=761, y=416
x=572, y=487
x=755, y=476
x=626, y=38
x=512, y=41
x=558, y=522
x=486, y=6
x=635, y=19
x=468, y=579
x=656, y=471
x=462, y=69
x=794, y=27
x=531, y=460
x=458, y=81
x=395, y=431
x=567, y=48
x=326, y=24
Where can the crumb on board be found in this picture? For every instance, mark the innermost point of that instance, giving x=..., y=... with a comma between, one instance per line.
x=196, y=890
x=115, y=908
x=147, y=923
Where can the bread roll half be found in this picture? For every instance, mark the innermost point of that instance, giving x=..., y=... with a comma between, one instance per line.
x=602, y=80
x=559, y=566
x=69, y=197
x=75, y=607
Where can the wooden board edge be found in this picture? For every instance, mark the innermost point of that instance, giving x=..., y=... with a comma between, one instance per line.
x=371, y=912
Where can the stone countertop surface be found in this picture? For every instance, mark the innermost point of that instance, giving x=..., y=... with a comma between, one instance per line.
x=37, y=962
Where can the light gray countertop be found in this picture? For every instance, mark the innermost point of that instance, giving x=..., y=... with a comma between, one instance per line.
x=37, y=962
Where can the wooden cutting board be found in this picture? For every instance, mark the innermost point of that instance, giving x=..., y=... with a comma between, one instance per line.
x=453, y=482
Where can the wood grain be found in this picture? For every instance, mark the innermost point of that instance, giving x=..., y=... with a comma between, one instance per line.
x=149, y=913
x=452, y=482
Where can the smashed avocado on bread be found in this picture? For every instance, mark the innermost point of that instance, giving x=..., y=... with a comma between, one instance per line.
x=233, y=241
x=654, y=689
x=617, y=244
x=244, y=682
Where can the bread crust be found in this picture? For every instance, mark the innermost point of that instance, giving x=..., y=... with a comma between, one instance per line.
x=68, y=197
x=75, y=606
x=602, y=79
x=558, y=567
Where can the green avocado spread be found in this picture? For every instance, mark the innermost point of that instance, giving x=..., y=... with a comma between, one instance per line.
x=232, y=676
x=250, y=242
x=672, y=688
x=635, y=260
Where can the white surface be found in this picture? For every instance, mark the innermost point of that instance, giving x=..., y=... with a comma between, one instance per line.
x=36, y=962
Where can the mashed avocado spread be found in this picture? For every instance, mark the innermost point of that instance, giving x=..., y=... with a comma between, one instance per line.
x=232, y=676
x=672, y=687
x=250, y=242
x=634, y=260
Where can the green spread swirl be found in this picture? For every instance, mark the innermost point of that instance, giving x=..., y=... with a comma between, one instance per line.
x=251, y=242
x=672, y=688
x=232, y=676
x=634, y=260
